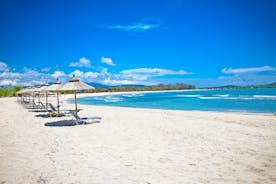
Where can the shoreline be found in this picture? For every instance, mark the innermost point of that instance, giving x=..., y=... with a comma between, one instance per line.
x=83, y=95
x=131, y=146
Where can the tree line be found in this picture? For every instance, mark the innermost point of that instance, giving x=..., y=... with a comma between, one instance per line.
x=11, y=91
x=159, y=87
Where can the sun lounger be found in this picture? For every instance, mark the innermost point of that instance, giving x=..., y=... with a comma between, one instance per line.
x=52, y=111
x=35, y=105
x=52, y=107
x=80, y=120
x=42, y=106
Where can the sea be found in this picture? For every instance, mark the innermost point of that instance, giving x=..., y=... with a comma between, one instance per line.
x=262, y=100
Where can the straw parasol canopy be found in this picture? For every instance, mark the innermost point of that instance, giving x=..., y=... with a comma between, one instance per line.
x=21, y=91
x=28, y=91
x=75, y=85
x=44, y=89
x=55, y=87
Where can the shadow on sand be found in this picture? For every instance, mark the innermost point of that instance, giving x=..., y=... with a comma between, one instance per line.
x=42, y=115
x=39, y=111
x=49, y=115
x=61, y=123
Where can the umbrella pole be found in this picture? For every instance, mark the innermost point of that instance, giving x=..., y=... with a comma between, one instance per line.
x=57, y=102
x=33, y=99
x=75, y=95
x=47, y=101
x=39, y=100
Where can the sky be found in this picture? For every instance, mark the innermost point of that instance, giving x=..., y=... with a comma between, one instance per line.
x=119, y=42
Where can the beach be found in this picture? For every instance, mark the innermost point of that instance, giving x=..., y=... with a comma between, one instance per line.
x=135, y=146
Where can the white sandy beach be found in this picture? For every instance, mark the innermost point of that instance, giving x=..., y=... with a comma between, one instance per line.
x=136, y=146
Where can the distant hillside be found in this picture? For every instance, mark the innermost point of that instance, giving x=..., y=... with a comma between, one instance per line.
x=98, y=85
x=143, y=88
x=272, y=85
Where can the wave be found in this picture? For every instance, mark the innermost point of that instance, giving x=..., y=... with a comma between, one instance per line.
x=224, y=95
x=268, y=97
x=122, y=97
x=225, y=98
x=189, y=96
x=133, y=95
x=97, y=98
x=241, y=97
x=112, y=99
x=209, y=97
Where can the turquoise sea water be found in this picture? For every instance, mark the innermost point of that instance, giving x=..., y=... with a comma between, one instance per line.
x=241, y=100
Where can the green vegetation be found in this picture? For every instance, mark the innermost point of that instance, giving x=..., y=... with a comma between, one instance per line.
x=145, y=88
x=137, y=88
x=10, y=91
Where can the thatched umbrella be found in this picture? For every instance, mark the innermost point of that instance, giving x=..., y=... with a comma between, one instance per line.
x=28, y=91
x=34, y=91
x=44, y=89
x=55, y=87
x=21, y=92
x=24, y=94
x=75, y=85
x=37, y=90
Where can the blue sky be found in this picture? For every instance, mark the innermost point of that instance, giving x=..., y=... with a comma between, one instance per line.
x=200, y=42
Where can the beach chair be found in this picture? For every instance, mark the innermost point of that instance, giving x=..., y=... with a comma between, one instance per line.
x=52, y=111
x=42, y=106
x=35, y=105
x=52, y=107
x=80, y=120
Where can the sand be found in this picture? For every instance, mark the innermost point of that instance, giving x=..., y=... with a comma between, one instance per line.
x=136, y=146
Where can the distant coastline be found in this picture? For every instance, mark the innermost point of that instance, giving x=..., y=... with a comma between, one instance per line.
x=11, y=90
x=272, y=85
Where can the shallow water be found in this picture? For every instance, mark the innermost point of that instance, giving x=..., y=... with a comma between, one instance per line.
x=240, y=100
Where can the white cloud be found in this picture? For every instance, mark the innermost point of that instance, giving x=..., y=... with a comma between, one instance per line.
x=7, y=82
x=85, y=76
x=8, y=74
x=136, y=76
x=247, y=70
x=154, y=71
x=28, y=77
x=83, y=62
x=138, y=27
x=104, y=77
x=91, y=74
x=249, y=79
x=47, y=69
x=58, y=74
x=107, y=61
x=145, y=76
x=113, y=82
x=3, y=66
x=145, y=73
